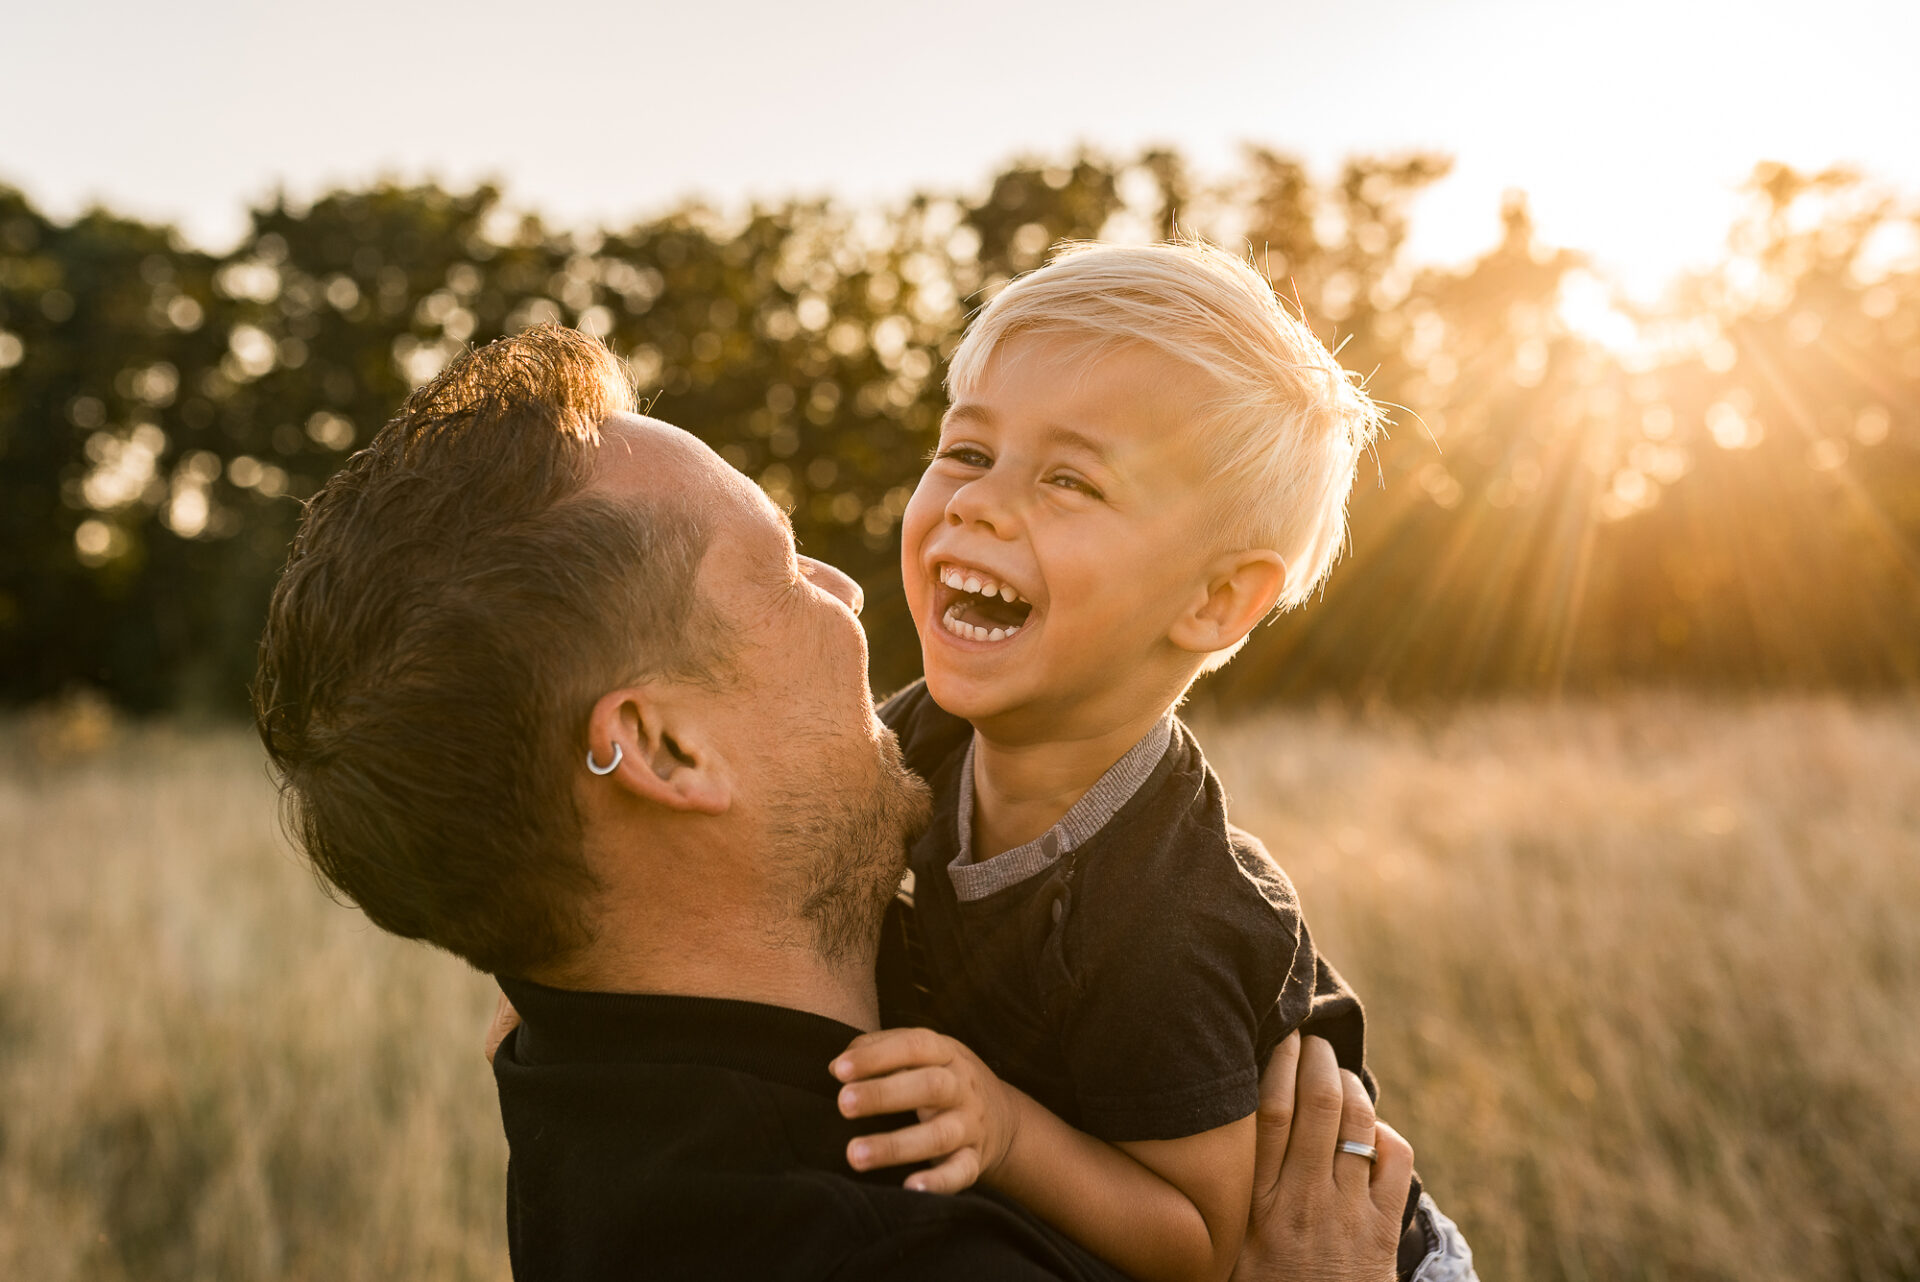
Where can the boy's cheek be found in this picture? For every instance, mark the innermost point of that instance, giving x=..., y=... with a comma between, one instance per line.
x=916, y=590
x=912, y=530
x=925, y=507
x=915, y=525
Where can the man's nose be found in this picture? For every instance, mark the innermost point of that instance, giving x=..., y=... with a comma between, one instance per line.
x=834, y=581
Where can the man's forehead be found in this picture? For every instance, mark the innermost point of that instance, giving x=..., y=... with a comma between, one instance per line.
x=649, y=456
x=648, y=442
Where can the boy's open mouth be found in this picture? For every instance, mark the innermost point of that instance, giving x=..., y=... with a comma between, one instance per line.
x=977, y=607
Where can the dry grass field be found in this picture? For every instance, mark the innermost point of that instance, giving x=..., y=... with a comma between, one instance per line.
x=1644, y=983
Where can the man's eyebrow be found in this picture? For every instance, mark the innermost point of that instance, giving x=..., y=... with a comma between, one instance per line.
x=786, y=523
x=783, y=516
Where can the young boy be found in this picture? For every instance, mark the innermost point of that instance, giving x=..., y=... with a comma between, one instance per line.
x=1145, y=455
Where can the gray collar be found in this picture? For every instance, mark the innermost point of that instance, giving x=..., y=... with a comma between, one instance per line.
x=1088, y=816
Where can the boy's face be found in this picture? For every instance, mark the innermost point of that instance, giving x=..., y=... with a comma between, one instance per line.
x=1071, y=486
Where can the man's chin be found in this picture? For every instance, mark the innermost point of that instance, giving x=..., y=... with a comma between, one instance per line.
x=913, y=808
x=895, y=774
x=858, y=855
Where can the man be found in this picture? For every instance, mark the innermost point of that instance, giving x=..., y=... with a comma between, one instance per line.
x=547, y=685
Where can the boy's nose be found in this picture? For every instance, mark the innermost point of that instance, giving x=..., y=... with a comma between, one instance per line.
x=981, y=502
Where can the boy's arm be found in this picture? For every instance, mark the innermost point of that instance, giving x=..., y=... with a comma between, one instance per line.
x=1155, y=1208
x=1158, y=1209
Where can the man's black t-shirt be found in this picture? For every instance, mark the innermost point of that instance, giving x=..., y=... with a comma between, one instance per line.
x=1132, y=978
x=696, y=1138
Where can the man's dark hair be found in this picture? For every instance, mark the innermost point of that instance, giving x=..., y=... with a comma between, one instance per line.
x=453, y=605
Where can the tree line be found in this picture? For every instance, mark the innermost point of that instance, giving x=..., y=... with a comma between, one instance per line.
x=1579, y=494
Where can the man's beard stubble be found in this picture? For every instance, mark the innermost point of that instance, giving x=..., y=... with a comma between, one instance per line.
x=853, y=850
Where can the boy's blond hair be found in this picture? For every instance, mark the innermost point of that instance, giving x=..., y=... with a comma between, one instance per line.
x=1287, y=423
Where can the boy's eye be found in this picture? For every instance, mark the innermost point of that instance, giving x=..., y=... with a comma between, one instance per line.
x=965, y=455
x=1067, y=481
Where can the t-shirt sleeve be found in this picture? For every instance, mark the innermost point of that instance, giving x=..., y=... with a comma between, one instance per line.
x=1179, y=983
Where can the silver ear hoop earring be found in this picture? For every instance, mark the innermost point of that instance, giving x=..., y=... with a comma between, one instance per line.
x=607, y=769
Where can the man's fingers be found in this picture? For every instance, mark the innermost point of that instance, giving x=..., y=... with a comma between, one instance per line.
x=1275, y=1118
x=1393, y=1173
x=1317, y=1223
x=936, y=1137
x=900, y=1092
x=505, y=1020
x=1351, y=1171
x=1318, y=1102
x=956, y=1173
x=889, y=1051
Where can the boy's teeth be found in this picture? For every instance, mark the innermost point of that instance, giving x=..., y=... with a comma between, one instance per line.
x=976, y=583
x=972, y=632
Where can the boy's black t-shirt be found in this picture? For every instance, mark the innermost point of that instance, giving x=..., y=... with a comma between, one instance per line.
x=1136, y=985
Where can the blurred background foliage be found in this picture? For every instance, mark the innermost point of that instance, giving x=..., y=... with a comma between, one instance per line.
x=1580, y=492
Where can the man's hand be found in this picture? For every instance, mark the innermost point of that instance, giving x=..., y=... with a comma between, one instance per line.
x=505, y=1020
x=967, y=1115
x=1319, y=1215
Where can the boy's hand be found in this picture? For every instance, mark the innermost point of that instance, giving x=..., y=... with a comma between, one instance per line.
x=967, y=1115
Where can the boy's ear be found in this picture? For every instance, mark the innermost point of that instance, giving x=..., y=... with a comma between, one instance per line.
x=1240, y=590
x=665, y=756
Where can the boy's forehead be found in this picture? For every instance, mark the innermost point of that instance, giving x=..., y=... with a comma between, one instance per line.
x=1066, y=358
x=1081, y=365
x=1075, y=391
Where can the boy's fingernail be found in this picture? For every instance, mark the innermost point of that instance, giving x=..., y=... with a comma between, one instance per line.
x=848, y=1098
x=917, y=1184
x=859, y=1154
x=840, y=1068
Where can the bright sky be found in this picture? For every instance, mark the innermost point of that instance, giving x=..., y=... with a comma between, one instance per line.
x=1629, y=123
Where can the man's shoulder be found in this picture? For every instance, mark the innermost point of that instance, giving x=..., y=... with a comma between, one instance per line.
x=929, y=735
x=701, y=1135
x=796, y=1225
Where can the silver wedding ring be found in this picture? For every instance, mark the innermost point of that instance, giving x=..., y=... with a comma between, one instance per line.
x=1358, y=1149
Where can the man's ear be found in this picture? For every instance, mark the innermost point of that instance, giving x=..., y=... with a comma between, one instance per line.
x=665, y=756
x=1240, y=590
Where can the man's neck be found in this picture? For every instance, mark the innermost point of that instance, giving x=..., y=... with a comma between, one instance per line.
x=1020, y=790
x=735, y=964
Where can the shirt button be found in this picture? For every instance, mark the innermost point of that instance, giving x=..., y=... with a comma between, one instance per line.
x=1059, y=909
x=1050, y=844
